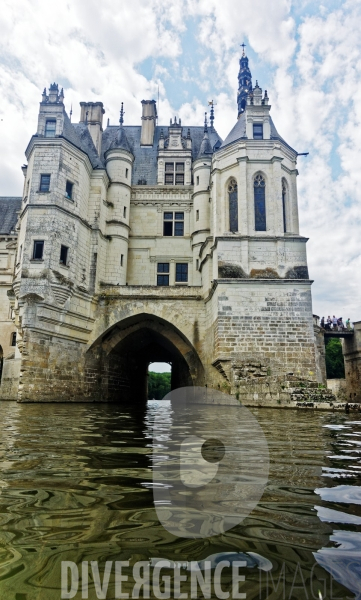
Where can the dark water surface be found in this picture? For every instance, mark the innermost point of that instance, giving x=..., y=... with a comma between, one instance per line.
x=76, y=485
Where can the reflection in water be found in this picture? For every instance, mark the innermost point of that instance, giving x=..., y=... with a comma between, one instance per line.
x=76, y=484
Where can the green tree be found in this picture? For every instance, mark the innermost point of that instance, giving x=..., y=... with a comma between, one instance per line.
x=158, y=385
x=335, y=366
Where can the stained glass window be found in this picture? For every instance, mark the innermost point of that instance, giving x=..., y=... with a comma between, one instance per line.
x=233, y=205
x=259, y=203
x=284, y=196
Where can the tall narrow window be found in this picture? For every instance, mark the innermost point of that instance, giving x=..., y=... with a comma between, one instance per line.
x=126, y=173
x=50, y=126
x=181, y=272
x=284, y=196
x=121, y=259
x=163, y=274
x=259, y=203
x=197, y=215
x=44, y=183
x=38, y=250
x=13, y=338
x=64, y=255
x=69, y=190
x=124, y=212
x=233, y=205
x=258, y=131
x=179, y=173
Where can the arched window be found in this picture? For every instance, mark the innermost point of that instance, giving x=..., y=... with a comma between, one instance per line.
x=284, y=198
x=233, y=205
x=259, y=203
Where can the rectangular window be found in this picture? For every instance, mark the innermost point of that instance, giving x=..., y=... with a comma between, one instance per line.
x=64, y=255
x=44, y=183
x=124, y=212
x=179, y=224
x=69, y=190
x=181, y=272
x=126, y=173
x=173, y=224
x=20, y=253
x=197, y=264
x=174, y=173
x=50, y=126
x=13, y=338
x=38, y=250
x=121, y=259
x=163, y=274
x=258, y=131
x=197, y=180
x=197, y=215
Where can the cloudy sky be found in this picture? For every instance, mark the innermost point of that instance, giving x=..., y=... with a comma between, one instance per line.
x=307, y=55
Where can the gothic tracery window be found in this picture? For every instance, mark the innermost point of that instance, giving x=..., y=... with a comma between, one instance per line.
x=259, y=185
x=284, y=198
x=233, y=205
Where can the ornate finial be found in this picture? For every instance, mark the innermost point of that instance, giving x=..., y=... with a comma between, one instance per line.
x=175, y=120
x=86, y=117
x=243, y=46
x=265, y=94
x=170, y=122
x=71, y=111
x=205, y=123
x=161, y=134
x=121, y=118
x=188, y=134
x=108, y=122
x=211, y=118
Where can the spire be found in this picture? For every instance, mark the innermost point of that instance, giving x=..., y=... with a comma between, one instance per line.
x=121, y=118
x=244, y=82
x=205, y=147
x=211, y=118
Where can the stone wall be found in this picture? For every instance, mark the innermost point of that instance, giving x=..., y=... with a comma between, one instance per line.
x=352, y=354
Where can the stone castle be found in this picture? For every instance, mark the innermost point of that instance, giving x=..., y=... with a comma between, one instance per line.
x=143, y=243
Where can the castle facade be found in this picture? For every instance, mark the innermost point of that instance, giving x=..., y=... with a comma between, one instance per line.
x=143, y=243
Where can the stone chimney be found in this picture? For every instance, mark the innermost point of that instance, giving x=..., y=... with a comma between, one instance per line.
x=149, y=116
x=92, y=114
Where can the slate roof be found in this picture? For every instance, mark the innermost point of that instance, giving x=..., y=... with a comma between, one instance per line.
x=205, y=147
x=239, y=133
x=9, y=207
x=145, y=165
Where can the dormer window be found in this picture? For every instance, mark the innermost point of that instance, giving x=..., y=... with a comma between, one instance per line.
x=174, y=173
x=258, y=131
x=50, y=127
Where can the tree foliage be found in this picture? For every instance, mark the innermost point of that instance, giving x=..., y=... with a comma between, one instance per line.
x=158, y=385
x=335, y=366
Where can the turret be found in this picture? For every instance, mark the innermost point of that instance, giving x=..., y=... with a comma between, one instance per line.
x=201, y=210
x=52, y=112
x=119, y=162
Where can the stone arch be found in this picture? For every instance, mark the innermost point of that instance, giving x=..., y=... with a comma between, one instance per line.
x=116, y=364
x=259, y=182
x=232, y=197
x=285, y=202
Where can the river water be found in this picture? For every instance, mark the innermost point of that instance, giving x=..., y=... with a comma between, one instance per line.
x=76, y=485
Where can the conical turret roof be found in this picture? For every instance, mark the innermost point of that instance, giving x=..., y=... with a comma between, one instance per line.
x=121, y=141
